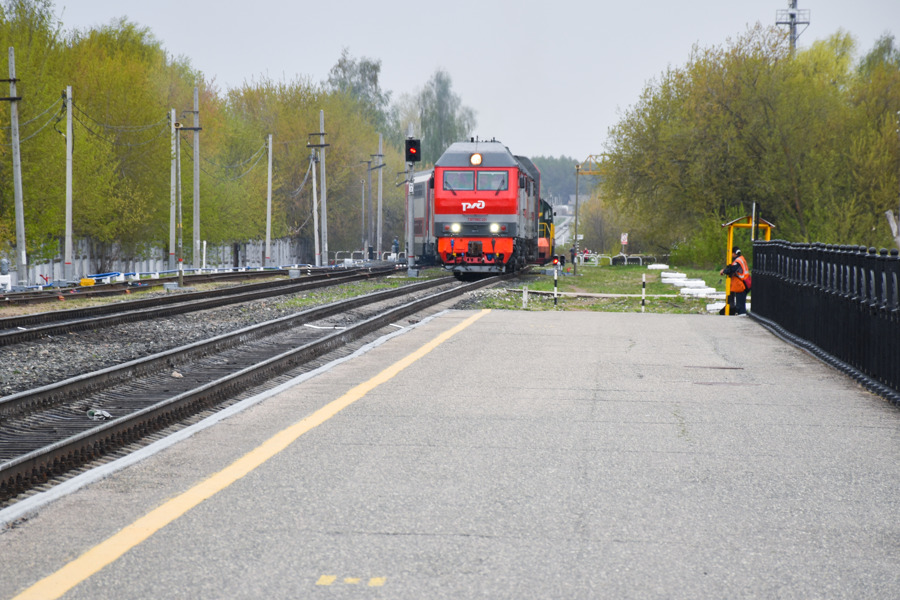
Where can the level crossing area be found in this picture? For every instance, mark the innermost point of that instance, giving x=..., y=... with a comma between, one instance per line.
x=501, y=454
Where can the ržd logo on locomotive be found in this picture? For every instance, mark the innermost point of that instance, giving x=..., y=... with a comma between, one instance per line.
x=473, y=205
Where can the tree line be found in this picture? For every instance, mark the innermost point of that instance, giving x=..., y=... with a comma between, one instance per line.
x=810, y=136
x=124, y=85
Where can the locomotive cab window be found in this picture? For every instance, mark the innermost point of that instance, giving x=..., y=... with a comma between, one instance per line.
x=459, y=180
x=493, y=181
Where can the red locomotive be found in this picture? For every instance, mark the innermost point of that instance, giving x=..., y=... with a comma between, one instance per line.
x=488, y=213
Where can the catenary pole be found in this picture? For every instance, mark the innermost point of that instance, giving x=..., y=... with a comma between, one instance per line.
x=324, y=187
x=368, y=240
x=22, y=259
x=195, y=254
x=69, y=148
x=312, y=161
x=180, y=221
x=173, y=175
x=378, y=245
x=370, y=232
x=575, y=262
x=362, y=213
x=269, y=207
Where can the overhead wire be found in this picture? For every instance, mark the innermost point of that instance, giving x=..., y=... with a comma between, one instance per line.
x=128, y=128
x=116, y=143
x=82, y=116
x=258, y=154
x=299, y=190
x=35, y=118
x=236, y=165
x=296, y=193
x=53, y=118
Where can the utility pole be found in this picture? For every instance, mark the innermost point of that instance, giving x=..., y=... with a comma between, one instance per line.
x=196, y=128
x=22, y=260
x=380, y=155
x=315, y=208
x=370, y=234
x=173, y=180
x=592, y=166
x=322, y=146
x=367, y=222
x=67, y=256
x=196, y=213
x=792, y=17
x=180, y=222
x=575, y=262
x=269, y=207
x=362, y=212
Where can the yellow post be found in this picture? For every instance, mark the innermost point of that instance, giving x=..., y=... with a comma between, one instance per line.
x=728, y=248
x=744, y=223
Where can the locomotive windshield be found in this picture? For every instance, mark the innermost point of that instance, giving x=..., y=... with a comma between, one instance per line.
x=487, y=181
x=459, y=180
x=493, y=180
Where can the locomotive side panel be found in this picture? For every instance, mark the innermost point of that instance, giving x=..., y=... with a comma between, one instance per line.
x=421, y=202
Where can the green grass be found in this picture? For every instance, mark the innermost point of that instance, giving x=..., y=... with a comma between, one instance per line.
x=357, y=288
x=603, y=280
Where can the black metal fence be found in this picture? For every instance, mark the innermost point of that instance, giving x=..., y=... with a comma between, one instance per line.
x=841, y=303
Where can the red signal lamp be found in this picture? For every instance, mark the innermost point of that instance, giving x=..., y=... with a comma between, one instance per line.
x=413, y=150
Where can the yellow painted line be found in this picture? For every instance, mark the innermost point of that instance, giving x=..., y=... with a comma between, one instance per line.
x=326, y=579
x=110, y=550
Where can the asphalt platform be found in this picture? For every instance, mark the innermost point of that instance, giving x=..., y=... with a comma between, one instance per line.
x=502, y=454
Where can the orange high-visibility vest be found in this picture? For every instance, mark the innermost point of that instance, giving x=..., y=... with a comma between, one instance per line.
x=745, y=270
x=742, y=275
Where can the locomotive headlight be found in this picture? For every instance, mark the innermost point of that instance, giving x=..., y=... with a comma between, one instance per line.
x=475, y=159
x=455, y=228
x=495, y=228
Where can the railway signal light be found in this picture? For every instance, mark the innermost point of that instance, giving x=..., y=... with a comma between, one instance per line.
x=413, y=150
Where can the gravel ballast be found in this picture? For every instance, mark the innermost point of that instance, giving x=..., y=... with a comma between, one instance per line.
x=55, y=358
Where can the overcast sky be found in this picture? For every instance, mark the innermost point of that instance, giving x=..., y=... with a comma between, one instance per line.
x=544, y=77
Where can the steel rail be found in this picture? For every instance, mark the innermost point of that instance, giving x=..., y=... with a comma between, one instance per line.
x=37, y=466
x=103, y=309
x=56, y=393
x=153, y=308
x=86, y=311
x=118, y=288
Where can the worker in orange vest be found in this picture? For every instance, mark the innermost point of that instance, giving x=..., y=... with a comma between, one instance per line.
x=739, y=272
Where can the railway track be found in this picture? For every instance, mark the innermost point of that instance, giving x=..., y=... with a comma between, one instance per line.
x=50, y=431
x=56, y=294
x=14, y=330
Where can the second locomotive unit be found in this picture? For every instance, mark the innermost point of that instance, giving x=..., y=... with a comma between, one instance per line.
x=488, y=214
